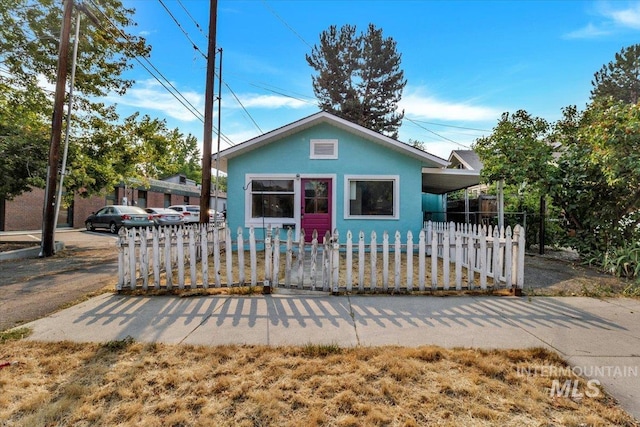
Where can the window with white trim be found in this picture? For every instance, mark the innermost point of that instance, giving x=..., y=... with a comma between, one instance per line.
x=372, y=196
x=272, y=198
x=323, y=149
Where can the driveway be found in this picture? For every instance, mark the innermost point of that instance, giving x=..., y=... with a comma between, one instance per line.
x=33, y=288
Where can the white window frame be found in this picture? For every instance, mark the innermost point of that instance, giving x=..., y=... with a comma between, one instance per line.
x=396, y=195
x=249, y=221
x=314, y=156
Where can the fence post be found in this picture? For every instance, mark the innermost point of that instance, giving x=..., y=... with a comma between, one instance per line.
x=349, y=265
x=458, y=253
x=121, y=256
x=361, y=260
x=241, y=277
x=421, y=260
x=520, y=261
x=204, y=258
x=385, y=261
x=496, y=257
x=397, y=259
x=428, y=236
x=228, y=252
x=446, y=254
x=288, y=259
x=180, y=244
x=374, y=259
x=326, y=262
x=335, y=261
x=508, y=254
x=276, y=258
x=253, y=256
x=483, y=257
x=471, y=256
x=156, y=258
x=434, y=259
x=409, y=261
x=268, y=256
x=314, y=259
x=216, y=255
x=301, y=260
x=193, y=261
x=131, y=234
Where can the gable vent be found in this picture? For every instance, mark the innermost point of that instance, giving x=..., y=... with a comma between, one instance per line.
x=324, y=148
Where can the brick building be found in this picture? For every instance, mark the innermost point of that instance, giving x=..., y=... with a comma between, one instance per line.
x=25, y=211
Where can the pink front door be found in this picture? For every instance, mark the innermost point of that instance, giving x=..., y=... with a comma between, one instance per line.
x=316, y=207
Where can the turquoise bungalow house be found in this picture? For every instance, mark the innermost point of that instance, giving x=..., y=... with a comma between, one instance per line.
x=324, y=173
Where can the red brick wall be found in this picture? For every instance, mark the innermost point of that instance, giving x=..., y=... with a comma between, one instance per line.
x=82, y=208
x=25, y=211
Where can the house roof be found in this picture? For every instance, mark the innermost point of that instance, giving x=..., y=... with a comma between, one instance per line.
x=428, y=159
x=469, y=159
x=444, y=180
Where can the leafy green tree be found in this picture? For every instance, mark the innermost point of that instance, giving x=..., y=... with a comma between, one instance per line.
x=29, y=40
x=619, y=79
x=24, y=141
x=359, y=77
x=518, y=151
x=131, y=152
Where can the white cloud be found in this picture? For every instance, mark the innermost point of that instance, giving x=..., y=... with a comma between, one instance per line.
x=151, y=95
x=416, y=103
x=587, y=32
x=270, y=101
x=629, y=18
x=611, y=20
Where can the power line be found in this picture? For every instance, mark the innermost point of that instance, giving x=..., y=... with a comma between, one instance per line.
x=193, y=20
x=449, y=126
x=273, y=12
x=205, y=56
x=245, y=110
x=182, y=29
x=437, y=134
x=173, y=91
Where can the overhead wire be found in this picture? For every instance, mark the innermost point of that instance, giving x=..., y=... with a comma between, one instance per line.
x=168, y=86
x=273, y=12
x=195, y=46
x=437, y=134
x=205, y=56
x=193, y=20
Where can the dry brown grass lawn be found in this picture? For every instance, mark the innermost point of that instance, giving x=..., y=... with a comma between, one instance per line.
x=132, y=384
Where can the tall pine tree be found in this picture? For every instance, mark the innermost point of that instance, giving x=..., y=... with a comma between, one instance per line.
x=619, y=79
x=359, y=77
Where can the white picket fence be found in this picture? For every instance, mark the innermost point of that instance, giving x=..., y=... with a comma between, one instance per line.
x=203, y=256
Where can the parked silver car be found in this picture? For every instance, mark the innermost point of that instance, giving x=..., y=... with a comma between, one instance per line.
x=115, y=216
x=165, y=216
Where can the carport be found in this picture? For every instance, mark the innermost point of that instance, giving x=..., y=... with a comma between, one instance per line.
x=443, y=181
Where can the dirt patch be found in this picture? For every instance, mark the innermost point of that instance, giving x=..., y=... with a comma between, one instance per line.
x=13, y=246
x=559, y=276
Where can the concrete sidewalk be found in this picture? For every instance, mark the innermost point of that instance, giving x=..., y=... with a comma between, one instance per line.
x=589, y=333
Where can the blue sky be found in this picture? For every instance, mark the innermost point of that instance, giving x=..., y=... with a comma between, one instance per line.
x=465, y=62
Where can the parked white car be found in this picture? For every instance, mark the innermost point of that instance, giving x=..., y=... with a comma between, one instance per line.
x=190, y=213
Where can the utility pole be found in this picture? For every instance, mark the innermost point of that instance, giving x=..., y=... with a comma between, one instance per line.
x=205, y=191
x=49, y=213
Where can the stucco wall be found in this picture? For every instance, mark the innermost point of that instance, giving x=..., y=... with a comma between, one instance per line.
x=356, y=156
